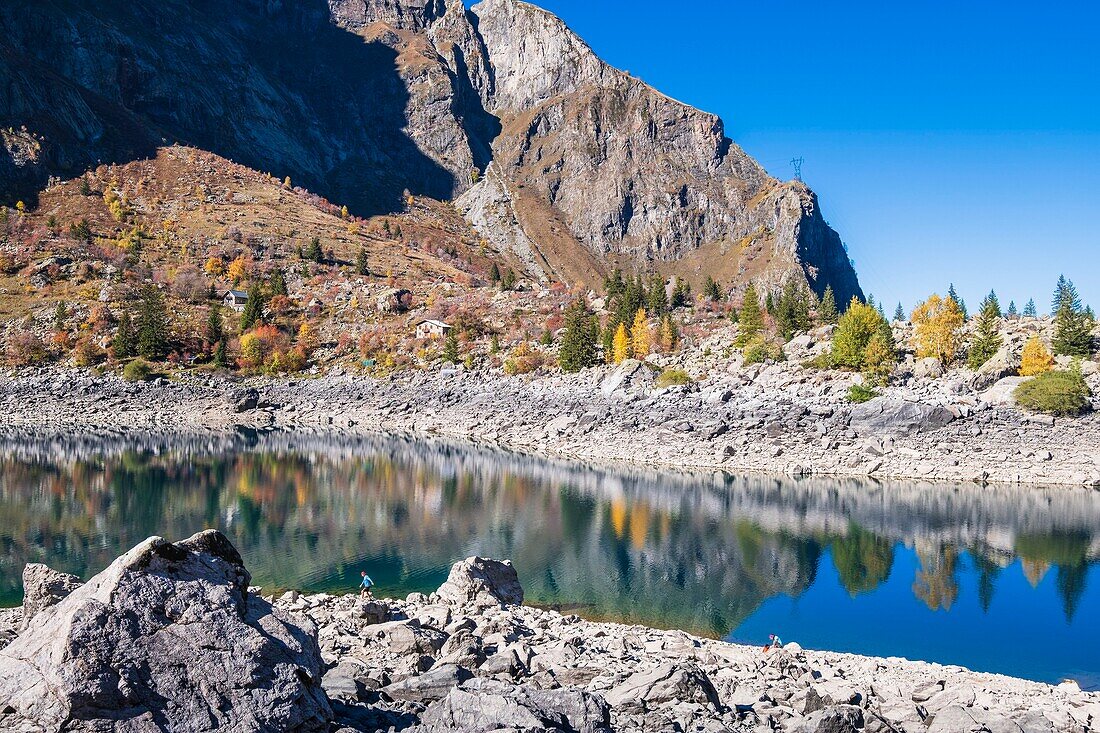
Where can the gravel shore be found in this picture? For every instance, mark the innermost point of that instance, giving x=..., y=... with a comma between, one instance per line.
x=776, y=419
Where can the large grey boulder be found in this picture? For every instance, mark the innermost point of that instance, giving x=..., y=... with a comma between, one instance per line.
x=668, y=683
x=480, y=582
x=1004, y=391
x=894, y=416
x=482, y=706
x=166, y=638
x=631, y=374
x=836, y=719
x=44, y=587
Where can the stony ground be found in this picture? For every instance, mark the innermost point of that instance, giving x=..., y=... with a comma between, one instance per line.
x=777, y=418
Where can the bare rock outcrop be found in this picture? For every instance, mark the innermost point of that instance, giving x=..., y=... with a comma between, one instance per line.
x=167, y=637
x=44, y=587
x=482, y=582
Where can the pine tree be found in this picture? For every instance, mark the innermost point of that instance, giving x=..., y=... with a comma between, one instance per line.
x=751, y=320
x=60, y=315
x=769, y=304
x=899, y=313
x=494, y=274
x=152, y=323
x=656, y=296
x=681, y=296
x=958, y=301
x=1072, y=329
x=1060, y=289
x=630, y=300
x=711, y=290
x=125, y=341
x=1012, y=313
x=277, y=284
x=221, y=355
x=313, y=252
x=640, y=338
x=450, y=348
x=578, y=343
x=827, y=313
x=614, y=285
x=253, y=308
x=215, y=328
x=988, y=339
x=620, y=347
x=362, y=263
x=792, y=312
x=670, y=334
x=1030, y=310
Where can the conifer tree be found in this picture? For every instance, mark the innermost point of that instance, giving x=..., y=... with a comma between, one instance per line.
x=494, y=274
x=670, y=335
x=450, y=348
x=711, y=290
x=253, y=307
x=215, y=329
x=313, y=252
x=640, y=338
x=362, y=263
x=614, y=284
x=221, y=355
x=277, y=284
x=769, y=304
x=125, y=340
x=1012, y=312
x=657, y=297
x=988, y=339
x=60, y=315
x=620, y=347
x=1072, y=329
x=958, y=301
x=827, y=312
x=792, y=311
x=152, y=323
x=750, y=318
x=899, y=313
x=681, y=296
x=1029, y=309
x=1035, y=358
x=578, y=343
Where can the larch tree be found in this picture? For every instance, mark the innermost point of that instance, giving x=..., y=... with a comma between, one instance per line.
x=620, y=346
x=1035, y=358
x=640, y=338
x=938, y=323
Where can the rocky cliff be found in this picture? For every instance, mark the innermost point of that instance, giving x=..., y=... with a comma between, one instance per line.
x=570, y=164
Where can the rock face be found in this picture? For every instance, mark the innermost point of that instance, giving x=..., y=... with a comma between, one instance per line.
x=565, y=162
x=43, y=587
x=167, y=637
x=894, y=416
x=482, y=582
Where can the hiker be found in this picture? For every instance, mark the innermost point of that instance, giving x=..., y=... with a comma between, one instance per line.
x=774, y=642
x=365, y=585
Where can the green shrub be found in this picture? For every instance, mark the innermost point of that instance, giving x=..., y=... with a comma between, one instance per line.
x=1055, y=393
x=673, y=377
x=137, y=370
x=859, y=394
x=824, y=360
x=758, y=350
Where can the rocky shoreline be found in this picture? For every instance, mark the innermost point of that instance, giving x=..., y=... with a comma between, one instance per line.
x=468, y=657
x=776, y=419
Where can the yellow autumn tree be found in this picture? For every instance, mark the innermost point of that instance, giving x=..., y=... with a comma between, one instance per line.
x=1035, y=358
x=620, y=347
x=640, y=337
x=938, y=323
x=238, y=269
x=214, y=266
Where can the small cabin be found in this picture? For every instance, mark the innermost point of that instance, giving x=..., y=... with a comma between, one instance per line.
x=235, y=299
x=432, y=329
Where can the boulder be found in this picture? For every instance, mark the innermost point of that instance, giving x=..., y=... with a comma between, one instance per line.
x=244, y=400
x=928, y=368
x=167, y=637
x=490, y=706
x=893, y=416
x=433, y=685
x=44, y=587
x=480, y=582
x=835, y=719
x=631, y=374
x=1004, y=391
x=1005, y=363
x=684, y=682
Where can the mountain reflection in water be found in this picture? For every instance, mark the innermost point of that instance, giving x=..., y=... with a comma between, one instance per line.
x=997, y=578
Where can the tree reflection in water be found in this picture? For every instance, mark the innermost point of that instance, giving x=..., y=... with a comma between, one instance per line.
x=700, y=552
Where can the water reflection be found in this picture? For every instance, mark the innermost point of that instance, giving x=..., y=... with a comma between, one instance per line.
x=823, y=560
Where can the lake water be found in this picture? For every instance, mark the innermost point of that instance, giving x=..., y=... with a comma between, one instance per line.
x=996, y=579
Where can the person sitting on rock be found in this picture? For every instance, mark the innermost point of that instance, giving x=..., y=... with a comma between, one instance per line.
x=365, y=585
x=774, y=642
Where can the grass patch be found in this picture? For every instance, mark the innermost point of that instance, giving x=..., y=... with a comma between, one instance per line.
x=1055, y=393
x=673, y=378
x=858, y=394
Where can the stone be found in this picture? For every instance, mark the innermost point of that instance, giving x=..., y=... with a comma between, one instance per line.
x=630, y=374
x=478, y=709
x=835, y=719
x=1003, y=392
x=684, y=682
x=44, y=587
x=481, y=582
x=244, y=400
x=928, y=368
x=132, y=641
x=887, y=415
x=433, y=685
x=340, y=683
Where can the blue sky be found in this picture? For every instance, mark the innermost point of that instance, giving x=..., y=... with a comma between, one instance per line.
x=946, y=141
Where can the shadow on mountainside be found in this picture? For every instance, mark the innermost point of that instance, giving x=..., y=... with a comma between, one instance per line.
x=274, y=86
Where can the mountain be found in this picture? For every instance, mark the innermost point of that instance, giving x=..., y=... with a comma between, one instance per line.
x=565, y=163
